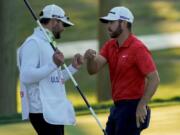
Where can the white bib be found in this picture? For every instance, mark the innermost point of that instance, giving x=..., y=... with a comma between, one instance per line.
x=56, y=108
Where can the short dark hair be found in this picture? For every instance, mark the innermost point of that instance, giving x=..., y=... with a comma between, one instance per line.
x=43, y=20
x=129, y=26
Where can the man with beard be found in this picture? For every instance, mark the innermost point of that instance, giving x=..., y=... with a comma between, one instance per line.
x=43, y=94
x=133, y=74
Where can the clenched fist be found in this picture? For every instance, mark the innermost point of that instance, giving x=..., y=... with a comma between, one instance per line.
x=58, y=58
x=77, y=61
x=90, y=54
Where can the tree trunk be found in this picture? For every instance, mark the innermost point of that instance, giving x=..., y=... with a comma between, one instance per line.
x=8, y=44
x=104, y=88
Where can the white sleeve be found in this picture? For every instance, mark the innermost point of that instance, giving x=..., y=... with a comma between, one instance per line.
x=30, y=70
x=65, y=73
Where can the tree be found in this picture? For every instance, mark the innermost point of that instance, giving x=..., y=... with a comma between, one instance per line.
x=8, y=44
x=103, y=76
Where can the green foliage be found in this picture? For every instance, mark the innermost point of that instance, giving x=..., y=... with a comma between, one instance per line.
x=168, y=64
x=155, y=16
x=150, y=17
x=82, y=13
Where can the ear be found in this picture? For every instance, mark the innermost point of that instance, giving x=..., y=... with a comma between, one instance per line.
x=124, y=24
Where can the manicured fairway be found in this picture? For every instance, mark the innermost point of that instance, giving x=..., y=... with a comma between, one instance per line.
x=165, y=121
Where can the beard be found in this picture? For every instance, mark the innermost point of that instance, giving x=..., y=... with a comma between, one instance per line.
x=116, y=33
x=56, y=32
x=57, y=35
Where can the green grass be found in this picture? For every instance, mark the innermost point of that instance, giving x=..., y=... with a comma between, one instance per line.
x=167, y=54
x=168, y=64
x=165, y=120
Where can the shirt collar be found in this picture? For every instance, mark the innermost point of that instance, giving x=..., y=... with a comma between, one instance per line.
x=38, y=32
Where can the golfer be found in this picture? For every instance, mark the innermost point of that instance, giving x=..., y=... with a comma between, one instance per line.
x=43, y=93
x=133, y=74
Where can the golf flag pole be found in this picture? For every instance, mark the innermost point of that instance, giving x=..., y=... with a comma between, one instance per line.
x=64, y=65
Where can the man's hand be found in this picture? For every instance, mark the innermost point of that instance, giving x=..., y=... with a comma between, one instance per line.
x=90, y=54
x=77, y=61
x=94, y=61
x=58, y=58
x=152, y=81
x=141, y=113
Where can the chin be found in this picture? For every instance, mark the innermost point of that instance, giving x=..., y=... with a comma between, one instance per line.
x=112, y=36
x=57, y=36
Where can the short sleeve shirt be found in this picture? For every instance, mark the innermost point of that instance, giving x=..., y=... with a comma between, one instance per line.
x=128, y=66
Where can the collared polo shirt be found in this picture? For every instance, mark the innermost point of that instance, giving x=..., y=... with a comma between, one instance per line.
x=128, y=66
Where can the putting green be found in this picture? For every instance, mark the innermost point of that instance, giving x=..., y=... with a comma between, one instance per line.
x=165, y=121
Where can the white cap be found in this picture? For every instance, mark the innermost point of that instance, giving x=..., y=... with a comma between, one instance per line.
x=118, y=13
x=54, y=11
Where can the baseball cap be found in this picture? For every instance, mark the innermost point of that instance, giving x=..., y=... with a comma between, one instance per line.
x=54, y=11
x=118, y=13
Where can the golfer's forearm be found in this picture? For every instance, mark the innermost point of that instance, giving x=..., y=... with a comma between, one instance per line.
x=31, y=75
x=92, y=67
x=151, y=87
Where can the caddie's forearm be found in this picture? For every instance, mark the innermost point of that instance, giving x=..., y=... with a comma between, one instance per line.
x=30, y=75
x=152, y=83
